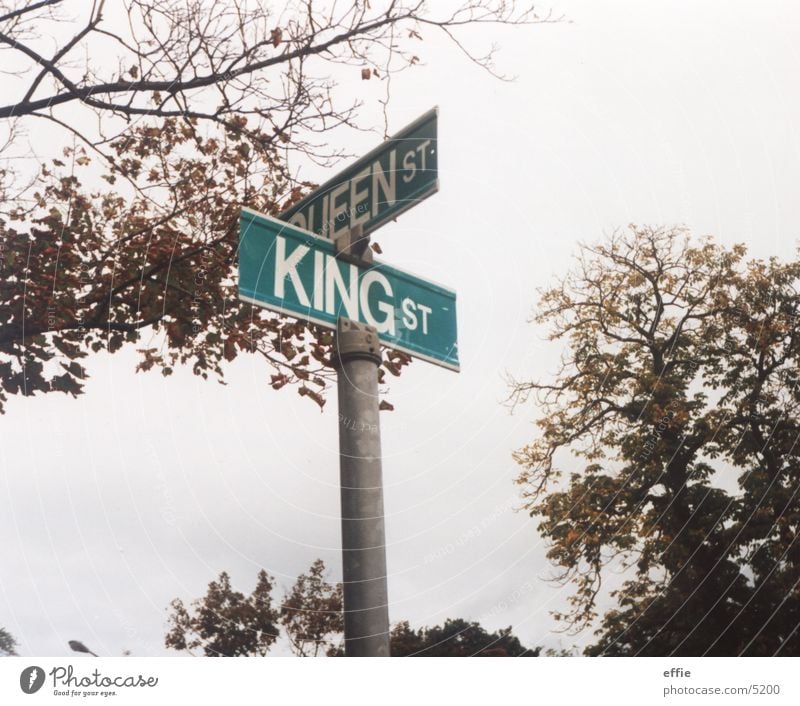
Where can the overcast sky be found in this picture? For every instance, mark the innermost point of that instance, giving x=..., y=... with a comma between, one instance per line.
x=145, y=488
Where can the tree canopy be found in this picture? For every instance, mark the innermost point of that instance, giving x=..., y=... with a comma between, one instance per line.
x=456, y=638
x=311, y=614
x=171, y=116
x=667, y=445
x=8, y=645
x=225, y=623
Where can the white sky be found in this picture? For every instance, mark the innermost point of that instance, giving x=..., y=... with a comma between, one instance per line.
x=145, y=488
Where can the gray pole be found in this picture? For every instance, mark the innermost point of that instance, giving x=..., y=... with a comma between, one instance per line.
x=366, y=609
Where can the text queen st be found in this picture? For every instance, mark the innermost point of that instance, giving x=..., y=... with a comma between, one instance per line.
x=378, y=185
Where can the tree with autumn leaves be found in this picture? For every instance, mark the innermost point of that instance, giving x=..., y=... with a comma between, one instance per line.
x=667, y=440
x=8, y=645
x=226, y=623
x=456, y=638
x=668, y=446
x=167, y=119
x=311, y=614
x=171, y=116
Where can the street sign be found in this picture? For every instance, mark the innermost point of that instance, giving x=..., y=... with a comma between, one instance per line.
x=381, y=185
x=293, y=271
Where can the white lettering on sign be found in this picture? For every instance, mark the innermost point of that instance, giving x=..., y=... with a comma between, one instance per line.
x=356, y=198
x=425, y=311
x=288, y=267
x=319, y=268
x=365, y=195
x=410, y=162
x=334, y=280
x=338, y=218
x=410, y=319
x=421, y=152
x=299, y=219
x=409, y=314
x=387, y=325
x=410, y=166
x=388, y=186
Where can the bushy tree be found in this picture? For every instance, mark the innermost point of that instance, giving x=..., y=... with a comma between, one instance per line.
x=456, y=638
x=311, y=614
x=8, y=645
x=668, y=445
x=226, y=623
x=129, y=233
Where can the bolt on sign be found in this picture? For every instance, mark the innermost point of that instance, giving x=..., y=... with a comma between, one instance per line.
x=381, y=185
x=293, y=271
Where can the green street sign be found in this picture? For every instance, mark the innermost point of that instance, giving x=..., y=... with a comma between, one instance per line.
x=292, y=271
x=381, y=185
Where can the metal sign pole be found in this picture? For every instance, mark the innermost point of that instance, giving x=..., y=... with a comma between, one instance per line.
x=292, y=266
x=366, y=609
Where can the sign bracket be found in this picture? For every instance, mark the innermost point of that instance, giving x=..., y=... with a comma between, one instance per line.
x=353, y=246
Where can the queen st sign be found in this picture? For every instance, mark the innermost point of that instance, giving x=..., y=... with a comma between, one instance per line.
x=293, y=271
x=377, y=188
